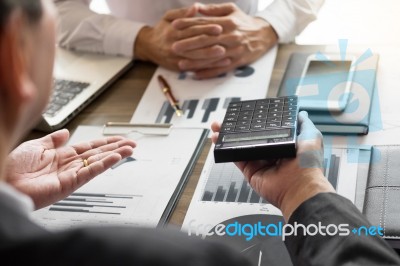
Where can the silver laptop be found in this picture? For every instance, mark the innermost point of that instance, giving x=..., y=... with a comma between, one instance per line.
x=78, y=79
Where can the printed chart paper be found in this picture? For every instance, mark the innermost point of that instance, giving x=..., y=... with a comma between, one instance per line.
x=203, y=101
x=135, y=191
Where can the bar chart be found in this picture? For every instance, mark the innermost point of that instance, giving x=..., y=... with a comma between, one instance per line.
x=227, y=184
x=107, y=204
x=193, y=110
x=331, y=168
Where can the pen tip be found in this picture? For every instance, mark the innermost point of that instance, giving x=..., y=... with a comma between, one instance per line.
x=179, y=113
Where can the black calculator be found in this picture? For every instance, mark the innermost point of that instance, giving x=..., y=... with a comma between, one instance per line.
x=257, y=130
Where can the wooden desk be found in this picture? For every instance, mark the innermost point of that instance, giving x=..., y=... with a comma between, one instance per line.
x=119, y=102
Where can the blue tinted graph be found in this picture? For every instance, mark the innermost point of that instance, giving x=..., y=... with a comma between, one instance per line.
x=227, y=184
x=192, y=108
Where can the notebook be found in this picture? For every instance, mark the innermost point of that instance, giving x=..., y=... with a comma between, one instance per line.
x=78, y=79
x=356, y=117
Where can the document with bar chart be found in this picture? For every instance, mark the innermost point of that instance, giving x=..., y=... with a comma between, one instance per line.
x=139, y=190
x=222, y=192
x=203, y=101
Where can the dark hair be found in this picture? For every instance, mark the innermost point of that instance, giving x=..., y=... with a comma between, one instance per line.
x=31, y=8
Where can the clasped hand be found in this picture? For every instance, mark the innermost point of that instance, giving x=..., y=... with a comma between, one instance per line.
x=221, y=39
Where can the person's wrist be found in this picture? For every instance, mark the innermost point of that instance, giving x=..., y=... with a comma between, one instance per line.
x=141, y=46
x=310, y=183
x=268, y=33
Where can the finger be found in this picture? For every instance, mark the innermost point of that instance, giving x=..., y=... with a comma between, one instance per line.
x=85, y=146
x=213, y=72
x=214, y=53
x=218, y=9
x=182, y=12
x=225, y=22
x=211, y=29
x=124, y=151
x=214, y=137
x=215, y=126
x=198, y=42
x=308, y=131
x=194, y=65
x=109, y=147
x=251, y=168
x=87, y=173
x=55, y=139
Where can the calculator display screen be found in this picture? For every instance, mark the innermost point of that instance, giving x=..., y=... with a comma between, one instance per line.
x=258, y=135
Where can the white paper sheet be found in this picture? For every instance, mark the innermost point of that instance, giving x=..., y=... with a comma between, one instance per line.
x=204, y=101
x=135, y=192
x=222, y=193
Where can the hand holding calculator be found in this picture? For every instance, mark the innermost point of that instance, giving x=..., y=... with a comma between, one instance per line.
x=257, y=130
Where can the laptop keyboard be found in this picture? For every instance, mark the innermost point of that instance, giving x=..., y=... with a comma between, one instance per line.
x=63, y=92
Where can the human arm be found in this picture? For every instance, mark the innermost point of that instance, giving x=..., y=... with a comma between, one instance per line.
x=84, y=30
x=290, y=17
x=350, y=249
x=48, y=171
x=305, y=197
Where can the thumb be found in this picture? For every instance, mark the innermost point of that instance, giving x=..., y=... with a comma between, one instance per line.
x=55, y=139
x=308, y=131
x=217, y=10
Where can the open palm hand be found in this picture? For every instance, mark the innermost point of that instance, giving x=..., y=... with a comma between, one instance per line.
x=48, y=171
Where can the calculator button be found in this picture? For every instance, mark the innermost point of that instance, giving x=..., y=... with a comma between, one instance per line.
x=232, y=114
x=274, y=124
x=231, y=119
x=257, y=126
x=238, y=104
x=250, y=113
x=273, y=110
x=289, y=113
x=289, y=108
x=274, y=119
x=258, y=121
x=274, y=114
x=291, y=99
x=262, y=102
x=291, y=104
x=244, y=117
x=243, y=123
x=262, y=106
x=248, y=106
x=233, y=109
x=276, y=100
x=260, y=111
x=260, y=116
x=275, y=105
x=229, y=124
x=288, y=124
x=227, y=129
x=289, y=118
x=242, y=128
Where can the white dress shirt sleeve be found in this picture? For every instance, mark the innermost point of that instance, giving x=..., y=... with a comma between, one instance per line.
x=290, y=17
x=81, y=29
